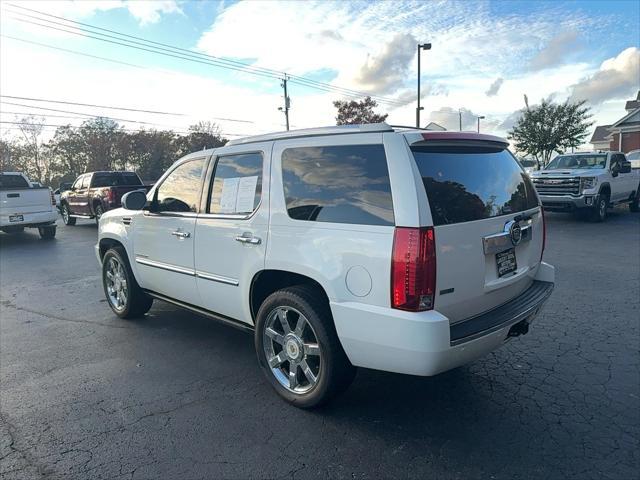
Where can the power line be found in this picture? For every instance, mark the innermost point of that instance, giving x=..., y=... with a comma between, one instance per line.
x=192, y=56
x=91, y=105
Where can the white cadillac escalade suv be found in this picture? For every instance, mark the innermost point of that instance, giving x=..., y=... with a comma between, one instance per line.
x=355, y=246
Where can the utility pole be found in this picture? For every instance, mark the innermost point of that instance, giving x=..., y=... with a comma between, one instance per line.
x=424, y=46
x=460, y=118
x=287, y=101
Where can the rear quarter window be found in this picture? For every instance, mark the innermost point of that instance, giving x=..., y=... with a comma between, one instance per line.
x=464, y=184
x=340, y=184
x=8, y=182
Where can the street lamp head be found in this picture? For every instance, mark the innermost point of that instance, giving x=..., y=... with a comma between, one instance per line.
x=481, y=117
x=425, y=46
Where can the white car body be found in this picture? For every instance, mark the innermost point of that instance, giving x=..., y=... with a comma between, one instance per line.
x=25, y=206
x=566, y=189
x=211, y=262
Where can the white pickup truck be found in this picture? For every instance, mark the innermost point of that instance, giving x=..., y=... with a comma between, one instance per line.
x=24, y=206
x=590, y=182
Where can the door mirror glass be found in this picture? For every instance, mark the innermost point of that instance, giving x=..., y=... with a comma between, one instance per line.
x=135, y=200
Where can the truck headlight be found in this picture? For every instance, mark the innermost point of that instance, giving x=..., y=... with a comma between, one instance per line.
x=587, y=183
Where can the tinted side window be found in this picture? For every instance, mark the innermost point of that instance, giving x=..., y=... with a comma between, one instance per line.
x=179, y=192
x=115, y=179
x=342, y=184
x=85, y=181
x=237, y=184
x=471, y=183
x=12, y=181
x=78, y=183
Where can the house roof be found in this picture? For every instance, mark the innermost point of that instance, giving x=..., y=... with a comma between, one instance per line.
x=600, y=133
x=633, y=104
x=435, y=126
x=627, y=119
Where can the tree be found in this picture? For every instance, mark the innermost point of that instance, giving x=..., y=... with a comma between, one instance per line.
x=201, y=136
x=551, y=127
x=356, y=112
x=32, y=149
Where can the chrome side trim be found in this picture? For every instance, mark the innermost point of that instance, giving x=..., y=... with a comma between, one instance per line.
x=217, y=278
x=164, y=266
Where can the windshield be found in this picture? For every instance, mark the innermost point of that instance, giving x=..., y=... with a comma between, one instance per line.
x=577, y=161
x=528, y=163
x=115, y=179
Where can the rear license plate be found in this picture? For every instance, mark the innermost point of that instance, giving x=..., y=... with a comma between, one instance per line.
x=506, y=262
x=16, y=218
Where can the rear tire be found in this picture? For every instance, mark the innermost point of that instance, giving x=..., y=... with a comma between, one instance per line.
x=99, y=212
x=600, y=210
x=124, y=295
x=304, y=372
x=47, y=233
x=634, y=206
x=66, y=216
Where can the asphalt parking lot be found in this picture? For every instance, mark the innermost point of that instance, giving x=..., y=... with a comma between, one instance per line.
x=87, y=395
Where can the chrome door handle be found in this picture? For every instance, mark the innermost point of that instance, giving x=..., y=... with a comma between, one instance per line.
x=248, y=239
x=181, y=234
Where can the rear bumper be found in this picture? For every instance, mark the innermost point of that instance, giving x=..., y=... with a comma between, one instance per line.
x=568, y=202
x=426, y=343
x=37, y=219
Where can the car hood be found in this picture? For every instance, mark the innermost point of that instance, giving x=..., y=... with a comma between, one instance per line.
x=576, y=172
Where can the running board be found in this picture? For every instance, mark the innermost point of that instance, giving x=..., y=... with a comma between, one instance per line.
x=201, y=311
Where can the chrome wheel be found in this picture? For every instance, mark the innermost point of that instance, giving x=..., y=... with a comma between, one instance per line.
x=291, y=349
x=116, y=282
x=603, y=208
x=65, y=214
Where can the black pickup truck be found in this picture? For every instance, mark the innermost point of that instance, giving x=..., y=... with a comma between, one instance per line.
x=94, y=193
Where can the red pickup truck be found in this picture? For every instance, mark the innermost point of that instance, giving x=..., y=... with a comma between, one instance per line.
x=94, y=193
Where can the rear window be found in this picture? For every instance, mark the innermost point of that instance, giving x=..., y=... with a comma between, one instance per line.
x=340, y=184
x=115, y=179
x=12, y=181
x=472, y=183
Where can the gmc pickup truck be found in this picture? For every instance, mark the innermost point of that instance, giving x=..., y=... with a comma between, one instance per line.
x=93, y=194
x=588, y=182
x=24, y=206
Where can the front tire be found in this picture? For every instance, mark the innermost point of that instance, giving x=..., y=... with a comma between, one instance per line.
x=66, y=216
x=600, y=210
x=124, y=295
x=47, y=233
x=298, y=348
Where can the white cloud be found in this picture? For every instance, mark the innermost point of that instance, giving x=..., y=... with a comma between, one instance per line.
x=145, y=11
x=617, y=78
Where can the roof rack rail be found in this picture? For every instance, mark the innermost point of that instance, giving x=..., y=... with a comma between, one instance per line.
x=315, y=132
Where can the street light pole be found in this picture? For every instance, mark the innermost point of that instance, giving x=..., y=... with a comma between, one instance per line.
x=460, y=119
x=424, y=46
x=480, y=117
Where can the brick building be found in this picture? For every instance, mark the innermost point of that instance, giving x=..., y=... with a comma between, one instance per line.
x=623, y=135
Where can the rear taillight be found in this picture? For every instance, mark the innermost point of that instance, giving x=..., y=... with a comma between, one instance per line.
x=413, y=269
x=53, y=198
x=544, y=232
x=111, y=196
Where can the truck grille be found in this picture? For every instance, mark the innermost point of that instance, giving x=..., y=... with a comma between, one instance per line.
x=557, y=185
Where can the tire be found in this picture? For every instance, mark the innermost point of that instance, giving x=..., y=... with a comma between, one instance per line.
x=599, y=213
x=12, y=230
x=634, y=206
x=66, y=215
x=321, y=369
x=99, y=211
x=47, y=233
x=124, y=295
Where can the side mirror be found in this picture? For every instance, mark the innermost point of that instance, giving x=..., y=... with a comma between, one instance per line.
x=135, y=200
x=626, y=167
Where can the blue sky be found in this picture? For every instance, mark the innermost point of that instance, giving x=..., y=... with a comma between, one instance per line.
x=485, y=56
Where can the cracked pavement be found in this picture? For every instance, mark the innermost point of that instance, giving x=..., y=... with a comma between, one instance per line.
x=86, y=395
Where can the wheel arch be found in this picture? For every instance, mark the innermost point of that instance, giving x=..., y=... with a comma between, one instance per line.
x=605, y=188
x=265, y=282
x=107, y=243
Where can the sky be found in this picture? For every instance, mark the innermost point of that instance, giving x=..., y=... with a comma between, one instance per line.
x=485, y=56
